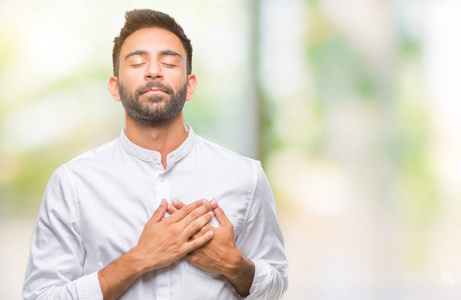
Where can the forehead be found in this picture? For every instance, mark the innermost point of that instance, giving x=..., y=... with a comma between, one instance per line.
x=152, y=40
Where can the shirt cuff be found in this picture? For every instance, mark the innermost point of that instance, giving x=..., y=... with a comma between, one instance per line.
x=88, y=287
x=259, y=284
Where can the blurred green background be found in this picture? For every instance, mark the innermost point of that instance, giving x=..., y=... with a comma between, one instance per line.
x=351, y=105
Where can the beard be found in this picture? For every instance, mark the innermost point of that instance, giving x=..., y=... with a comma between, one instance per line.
x=156, y=109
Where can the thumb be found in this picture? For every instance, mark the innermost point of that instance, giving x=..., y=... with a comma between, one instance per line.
x=159, y=212
x=221, y=216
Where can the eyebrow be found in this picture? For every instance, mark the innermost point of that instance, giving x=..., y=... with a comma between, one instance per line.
x=161, y=53
x=136, y=52
x=169, y=52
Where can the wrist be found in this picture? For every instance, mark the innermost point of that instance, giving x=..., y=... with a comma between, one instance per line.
x=136, y=261
x=236, y=263
x=241, y=273
x=115, y=278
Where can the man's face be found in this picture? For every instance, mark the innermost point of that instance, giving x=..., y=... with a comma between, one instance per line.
x=152, y=82
x=156, y=108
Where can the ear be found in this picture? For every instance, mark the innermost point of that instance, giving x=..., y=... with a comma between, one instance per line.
x=113, y=88
x=191, y=83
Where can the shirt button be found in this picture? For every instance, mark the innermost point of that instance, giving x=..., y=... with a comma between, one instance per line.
x=161, y=178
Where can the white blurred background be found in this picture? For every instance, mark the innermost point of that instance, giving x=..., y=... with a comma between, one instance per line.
x=353, y=107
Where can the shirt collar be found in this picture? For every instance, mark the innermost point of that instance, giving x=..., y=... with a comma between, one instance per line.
x=154, y=156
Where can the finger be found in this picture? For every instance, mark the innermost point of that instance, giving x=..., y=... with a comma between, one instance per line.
x=171, y=209
x=178, y=204
x=197, y=243
x=221, y=216
x=186, y=210
x=202, y=231
x=194, y=227
x=197, y=213
x=159, y=212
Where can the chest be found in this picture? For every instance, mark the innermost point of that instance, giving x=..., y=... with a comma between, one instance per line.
x=114, y=208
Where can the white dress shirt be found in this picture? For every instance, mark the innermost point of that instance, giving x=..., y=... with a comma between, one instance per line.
x=96, y=205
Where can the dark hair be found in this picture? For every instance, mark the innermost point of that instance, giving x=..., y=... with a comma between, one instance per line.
x=146, y=18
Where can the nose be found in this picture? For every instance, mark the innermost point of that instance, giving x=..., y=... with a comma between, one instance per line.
x=153, y=71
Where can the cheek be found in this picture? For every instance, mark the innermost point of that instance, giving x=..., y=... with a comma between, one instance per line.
x=130, y=82
x=178, y=83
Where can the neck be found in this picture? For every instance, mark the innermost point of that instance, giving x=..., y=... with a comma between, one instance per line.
x=163, y=138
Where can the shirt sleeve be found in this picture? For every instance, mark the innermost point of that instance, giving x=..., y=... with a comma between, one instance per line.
x=261, y=241
x=55, y=267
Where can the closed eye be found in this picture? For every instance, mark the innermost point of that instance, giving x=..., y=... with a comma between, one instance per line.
x=137, y=65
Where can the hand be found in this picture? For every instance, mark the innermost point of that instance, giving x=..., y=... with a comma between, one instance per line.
x=165, y=240
x=220, y=254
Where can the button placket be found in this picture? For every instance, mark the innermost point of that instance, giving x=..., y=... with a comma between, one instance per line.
x=161, y=178
x=163, y=275
x=163, y=187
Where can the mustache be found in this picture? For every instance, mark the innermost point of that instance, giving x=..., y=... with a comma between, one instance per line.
x=154, y=84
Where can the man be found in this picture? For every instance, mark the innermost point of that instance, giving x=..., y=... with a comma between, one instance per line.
x=105, y=228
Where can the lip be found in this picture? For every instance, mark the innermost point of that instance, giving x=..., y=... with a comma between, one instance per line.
x=154, y=92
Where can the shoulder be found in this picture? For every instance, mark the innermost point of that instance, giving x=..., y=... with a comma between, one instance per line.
x=223, y=156
x=209, y=147
x=98, y=153
x=242, y=170
x=98, y=157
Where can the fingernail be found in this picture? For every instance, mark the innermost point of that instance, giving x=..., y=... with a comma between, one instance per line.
x=163, y=202
x=214, y=203
x=174, y=202
x=210, y=233
x=168, y=206
x=204, y=201
x=211, y=213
